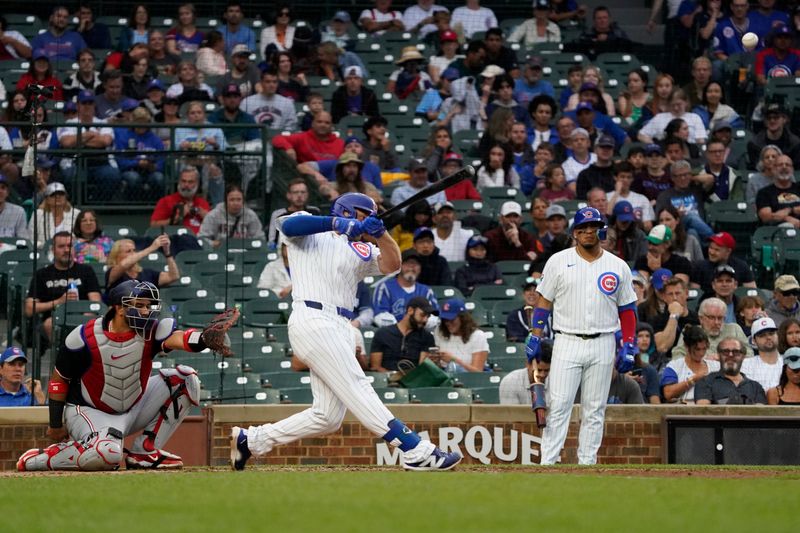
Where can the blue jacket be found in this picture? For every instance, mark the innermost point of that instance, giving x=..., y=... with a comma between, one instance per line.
x=606, y=125
x=127, y=139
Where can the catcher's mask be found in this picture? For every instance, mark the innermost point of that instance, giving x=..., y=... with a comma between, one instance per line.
x=127, y=294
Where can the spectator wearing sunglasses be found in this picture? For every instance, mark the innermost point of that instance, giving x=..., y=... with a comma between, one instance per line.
x=784, y=300
x=788, y=390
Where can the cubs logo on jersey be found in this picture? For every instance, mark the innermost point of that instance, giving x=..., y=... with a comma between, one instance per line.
x=608, y=282
x=362, y=250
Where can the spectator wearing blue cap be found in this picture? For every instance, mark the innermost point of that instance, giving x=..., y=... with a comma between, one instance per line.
x=779, y=59
x=86, y=77
x=15, y=390
x=432, y=100
x=477, y=269
x=12, y=217
x=631, y=242
x=462, y=345
x=530, y=84
x=435, y=270
x=338, y=31
x=154, y=97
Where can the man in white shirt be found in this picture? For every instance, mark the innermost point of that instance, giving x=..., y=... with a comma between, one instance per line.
x=448, y=235
x=581, y=157
x=13, y=222
x=515, y=387
x=381, y=18
x=419, y=18
x=642, y=210
x=473, y=18
x=766, y=367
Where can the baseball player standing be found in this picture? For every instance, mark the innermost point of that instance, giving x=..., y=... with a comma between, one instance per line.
x=327, y=262
x=590, y=293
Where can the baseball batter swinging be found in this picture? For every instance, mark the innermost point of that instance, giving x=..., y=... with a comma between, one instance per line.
x=327, y=262
x=590, y=293
x=102, y=390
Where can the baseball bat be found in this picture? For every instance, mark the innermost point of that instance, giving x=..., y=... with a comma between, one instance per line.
x=456, y=177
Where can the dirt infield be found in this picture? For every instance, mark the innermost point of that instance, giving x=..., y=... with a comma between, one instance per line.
x=659, y=471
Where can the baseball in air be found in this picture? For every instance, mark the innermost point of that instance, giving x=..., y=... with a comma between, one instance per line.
x=749, y=40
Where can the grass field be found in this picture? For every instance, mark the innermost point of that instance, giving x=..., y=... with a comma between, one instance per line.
x=341, y=499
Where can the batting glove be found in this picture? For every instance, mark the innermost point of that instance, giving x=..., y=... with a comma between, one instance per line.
x=532, y=348
x=625, y=357
x=348, y=226
x=374, y=226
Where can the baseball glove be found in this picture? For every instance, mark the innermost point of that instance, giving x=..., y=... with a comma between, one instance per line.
x=215, y=334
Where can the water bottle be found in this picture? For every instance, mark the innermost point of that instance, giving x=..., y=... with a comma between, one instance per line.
x=72, y=288
x=451, y=367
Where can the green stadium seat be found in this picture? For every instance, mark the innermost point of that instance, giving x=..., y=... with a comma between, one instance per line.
x=169, y=230
x=378, y=380
x=297, y=395
x=393, y=395
x=443, y=395
x=163, y=362
x=198, y=312
x=513, y=268
x=443, y=292
x=176, y=295
x=265, y=365
x=480, y=314
x=281, y=380
x=507, y=363
x=263, y=313
x=473, y=380
x=693, y=301
x=501, y=310
x=278, y=333
x=490, y=395
x=119, y=232
x=488, y=295
x=494, y=333
x=764, y=294
x=205, y=363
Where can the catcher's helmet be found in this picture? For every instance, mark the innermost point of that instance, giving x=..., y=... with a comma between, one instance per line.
x=590, y=215
x=125, y=295
x=346, y=205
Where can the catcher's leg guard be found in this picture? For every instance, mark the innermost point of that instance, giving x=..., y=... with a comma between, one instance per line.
x=182, y=390
x=99, y=451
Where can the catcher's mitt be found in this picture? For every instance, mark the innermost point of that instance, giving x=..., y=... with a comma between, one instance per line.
x=215, y=334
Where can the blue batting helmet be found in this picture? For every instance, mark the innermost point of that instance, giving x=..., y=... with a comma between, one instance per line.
x=346, y=205
x=590, y=215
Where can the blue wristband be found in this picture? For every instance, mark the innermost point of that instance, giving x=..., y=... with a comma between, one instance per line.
x=540, y=317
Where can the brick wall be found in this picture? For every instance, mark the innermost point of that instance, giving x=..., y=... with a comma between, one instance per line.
x=633, y=434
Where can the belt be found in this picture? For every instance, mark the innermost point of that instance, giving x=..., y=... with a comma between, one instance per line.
x=583, y=336
x=348, y=314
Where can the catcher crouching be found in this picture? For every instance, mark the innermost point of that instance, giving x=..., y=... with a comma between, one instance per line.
x=102, y=390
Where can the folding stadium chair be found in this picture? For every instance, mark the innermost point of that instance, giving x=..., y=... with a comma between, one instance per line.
x=172, y=297
x=204, y=364
x=494, y=333
x=507, y=363
x=379, y=380
x=169, y=230
x=268, y=365
x=480, y=314
x=443, y=292
x=473, y=380
x=488, y=295
x=737, y=218
x=513, y=268
x=118, y=232
x=392, y=395
x=447, y=395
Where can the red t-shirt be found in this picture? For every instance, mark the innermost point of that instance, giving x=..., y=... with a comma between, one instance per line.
x=28, y=79
x=310, y=148
x=165, y=206
x=463, y=190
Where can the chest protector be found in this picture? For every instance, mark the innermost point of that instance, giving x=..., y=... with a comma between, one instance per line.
x=119, y=370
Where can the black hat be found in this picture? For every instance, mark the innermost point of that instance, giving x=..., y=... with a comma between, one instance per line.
x=411, y=253
x=373, y=121
x=420, y=302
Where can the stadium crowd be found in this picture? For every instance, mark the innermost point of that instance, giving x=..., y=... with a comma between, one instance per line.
x=657, y=152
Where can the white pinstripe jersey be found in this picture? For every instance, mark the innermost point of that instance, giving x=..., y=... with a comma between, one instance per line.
x=586, y=295
x=326, y=267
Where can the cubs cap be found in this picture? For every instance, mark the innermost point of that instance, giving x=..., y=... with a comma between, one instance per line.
x=129, y=104
x=589, y=86
x=422, y=233
x=85, y=96
x=12, y=353
x=623, y=211
x=420, y=302
x=341, y=16
x=724, y=239
x=555, y=210
x=786, y=283
x=660, y=277
x=451, y=308
x=510, y=208
x=155, y=85
x=660, y=234
x=353, y=139
x=791, y=358
x=451, y=73
x=774, y=109
x=584, y=106
x=605, y=140
x=231, y=89
x=762, y=325
x=42, y=161
x=448, y=36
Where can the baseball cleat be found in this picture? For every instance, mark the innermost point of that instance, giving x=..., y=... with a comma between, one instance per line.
x=240, y=453
x=27, y=463
x=437, y=460
x=158, y=459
